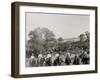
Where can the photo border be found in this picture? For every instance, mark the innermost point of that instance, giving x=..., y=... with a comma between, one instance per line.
x=15, y=32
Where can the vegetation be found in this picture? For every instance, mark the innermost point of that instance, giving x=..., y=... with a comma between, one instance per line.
x=43, y=39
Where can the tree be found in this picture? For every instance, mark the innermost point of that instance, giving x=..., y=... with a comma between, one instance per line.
x=39, y=38
x=87, y=35
x=49, y=35
x=60, y=39
x=49, y=38
x=81, y=37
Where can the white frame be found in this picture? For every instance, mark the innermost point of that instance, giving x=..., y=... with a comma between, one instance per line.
x=37, y=70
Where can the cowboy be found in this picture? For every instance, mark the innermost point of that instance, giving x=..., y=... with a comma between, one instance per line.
x=33, y=60
x=48, y=61
x=40, y=60
x=67, y=59
x=76, y=60
x=56, y=60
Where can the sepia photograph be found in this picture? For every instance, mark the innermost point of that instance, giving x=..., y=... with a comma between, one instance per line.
x=57, y=39
x=53, y=39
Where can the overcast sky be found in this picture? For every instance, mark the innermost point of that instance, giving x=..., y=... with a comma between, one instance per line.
x=66, y=26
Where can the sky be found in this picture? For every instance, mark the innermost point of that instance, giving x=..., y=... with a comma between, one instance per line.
x=63, y=25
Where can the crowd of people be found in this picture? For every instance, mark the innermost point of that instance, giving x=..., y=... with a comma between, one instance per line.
x=56, y=57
